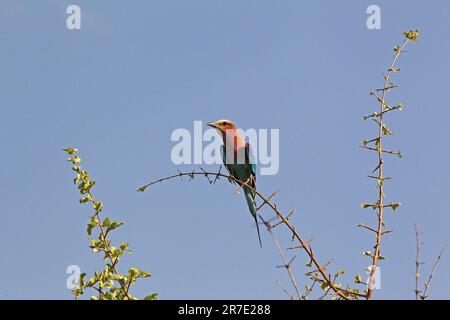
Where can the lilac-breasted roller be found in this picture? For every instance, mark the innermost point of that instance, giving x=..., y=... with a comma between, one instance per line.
x=238, y=158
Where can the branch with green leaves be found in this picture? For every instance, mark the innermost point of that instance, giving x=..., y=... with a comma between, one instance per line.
x=108, y=283
x=377, y=145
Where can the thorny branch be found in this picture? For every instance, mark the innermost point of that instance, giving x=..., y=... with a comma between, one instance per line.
x=343, y=294
x=377, y=117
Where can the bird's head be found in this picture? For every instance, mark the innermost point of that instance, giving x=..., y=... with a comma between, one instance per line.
x=223, y=125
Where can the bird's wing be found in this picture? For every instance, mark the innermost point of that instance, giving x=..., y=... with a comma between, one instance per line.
x=251, y=165
x=224, y=159
x=250, y=160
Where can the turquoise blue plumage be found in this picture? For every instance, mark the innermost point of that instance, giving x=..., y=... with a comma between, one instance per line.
x=244, y=170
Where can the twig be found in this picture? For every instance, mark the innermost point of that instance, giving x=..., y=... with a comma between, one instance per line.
x=427, y=284
x=397, y=153
x=418, y=263
x=286, y=264
x=285, y=291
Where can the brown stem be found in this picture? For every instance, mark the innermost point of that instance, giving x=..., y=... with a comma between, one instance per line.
x=380, y=151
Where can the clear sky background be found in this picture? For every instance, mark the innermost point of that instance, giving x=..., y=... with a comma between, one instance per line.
x=140, y=69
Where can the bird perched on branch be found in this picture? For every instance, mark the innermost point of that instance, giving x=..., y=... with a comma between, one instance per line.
x=238, y=158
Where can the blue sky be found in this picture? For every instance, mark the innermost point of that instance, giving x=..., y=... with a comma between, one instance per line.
x=117, y=88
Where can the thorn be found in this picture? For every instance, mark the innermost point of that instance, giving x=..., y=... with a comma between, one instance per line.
x=286, y=218
x=290, y=262
x=296, y=247
x=268, y=199
x=218, y=174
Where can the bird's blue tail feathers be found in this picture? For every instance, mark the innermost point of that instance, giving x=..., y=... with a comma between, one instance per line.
x=251, y=202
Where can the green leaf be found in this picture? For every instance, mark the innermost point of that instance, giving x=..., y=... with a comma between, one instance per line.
x=124, y=247
x=86, y=199
x=70, y=151
x=394, y=69
x=386, y=131
x=395, y=205
x=98, y=206
x=324, y=286
x=93, y=221
x=153, y=296
x=76, y=160
x=114, y=225
x=412, y=35
x=89, y=229
x=144, y=274
x=133, y=272
x=106, y=222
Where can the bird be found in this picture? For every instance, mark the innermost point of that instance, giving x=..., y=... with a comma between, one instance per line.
x=239, y=162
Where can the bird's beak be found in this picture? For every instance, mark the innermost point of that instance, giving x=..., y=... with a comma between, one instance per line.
x=213, y=124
